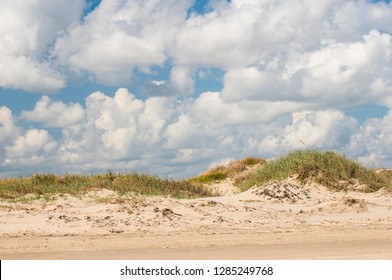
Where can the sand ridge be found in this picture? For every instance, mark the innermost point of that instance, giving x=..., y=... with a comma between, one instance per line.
x=288, y=209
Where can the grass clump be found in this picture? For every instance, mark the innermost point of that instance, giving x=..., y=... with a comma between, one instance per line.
x=214, y=175
x=46, y=185
x=249, y=161
x=231, y=170
x=42, y=185
x=329, y=168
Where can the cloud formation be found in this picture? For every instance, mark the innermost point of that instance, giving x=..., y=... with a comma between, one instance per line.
x=7, y=125
x=27, y=29
x=290, y=69
x=54, y=113
x=309, y=129
x=120, y=36
x=153, y=135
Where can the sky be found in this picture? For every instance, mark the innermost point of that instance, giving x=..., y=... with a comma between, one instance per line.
x=172, y=87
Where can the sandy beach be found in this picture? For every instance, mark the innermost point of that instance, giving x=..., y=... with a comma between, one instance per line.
x=283, y=220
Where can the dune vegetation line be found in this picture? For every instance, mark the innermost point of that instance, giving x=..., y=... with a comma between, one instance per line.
x=327, y=168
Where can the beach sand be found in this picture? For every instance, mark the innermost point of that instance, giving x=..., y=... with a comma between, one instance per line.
x=283, y=220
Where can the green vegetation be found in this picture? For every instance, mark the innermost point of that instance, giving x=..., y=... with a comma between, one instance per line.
x=140, y=184
x=221, y=172
x=328, y=168
x=211, y=176
x=252, y=161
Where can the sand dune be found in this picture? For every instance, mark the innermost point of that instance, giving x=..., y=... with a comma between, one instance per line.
x=279, y=218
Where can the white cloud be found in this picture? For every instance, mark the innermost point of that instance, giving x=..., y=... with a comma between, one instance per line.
x=117, y=128
x=8, y=129
x=292, y=51
x=382, y=91
x=181, y=83
x=373, y=143
x=21, y=72
x=27, y=29
x=347, y=70
x=157, y=114
x=338, y=74
x=119, y=36
x=187, y=133
x=246, y=33
x=31, y=148
x=253, y=84
x=54, y=113
x=290, y=68
x=315, y=130
x=125, y=133
x=181, y=80
x=218, y=39
x=216, y=112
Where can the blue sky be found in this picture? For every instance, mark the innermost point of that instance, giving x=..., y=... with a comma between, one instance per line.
x=172, y=88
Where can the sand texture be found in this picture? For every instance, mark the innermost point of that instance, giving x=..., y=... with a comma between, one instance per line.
x=282, y=220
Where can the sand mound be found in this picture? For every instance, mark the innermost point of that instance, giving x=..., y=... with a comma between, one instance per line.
x=287, y=209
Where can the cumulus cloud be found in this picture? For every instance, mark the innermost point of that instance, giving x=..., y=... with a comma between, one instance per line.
x=252, y=83
x=244, y=33
x=120, y=127
x=381, y=89
x=346, y=70
x=217, y=39
x=187, y=133
x=372, y=144
x=27, y=29
x=301, y=41
x=213, y=109
x=339, y=74
x=119, y=36
x=31, y=148
x=286, y=51
x=8, y=131
x=120, y=132
x=21, y=72
x=8, y=127
x=315, y=130
x=181, y=84
x=290, y=69
x=54, y=113
x=154, y=135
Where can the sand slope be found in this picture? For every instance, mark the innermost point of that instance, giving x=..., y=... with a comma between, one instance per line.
x=280, y=218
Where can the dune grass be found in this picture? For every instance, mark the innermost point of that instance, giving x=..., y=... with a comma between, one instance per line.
x=327, y=168
x=222, y=172
x=139, y=184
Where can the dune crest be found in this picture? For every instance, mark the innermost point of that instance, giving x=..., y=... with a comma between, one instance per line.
x=288, y=211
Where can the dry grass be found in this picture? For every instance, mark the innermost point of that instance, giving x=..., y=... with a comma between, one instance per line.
x=140, y=184
x=231, y=170
x=329, y=168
